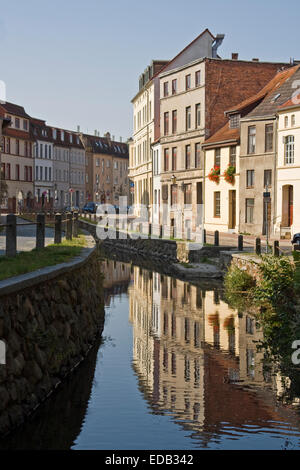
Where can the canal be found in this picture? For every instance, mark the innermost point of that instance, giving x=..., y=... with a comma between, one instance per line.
x=176, y=368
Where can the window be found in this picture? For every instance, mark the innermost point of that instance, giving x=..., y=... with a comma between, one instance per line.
x=17, y=172
x=188, y=194
x=267, y=178
x=174, y=158
x=251, y=139
x=232, y=156
x=7, y=149
x=17, y=123
x=293, y=120
x=166, y=123
x=187, y=157
x=25, y=125
x=249, y=216
x=41, y=173
x=269, y=137
x=46, y=151
x=218, y=157
x=217, y=204
x=49, y=151
x=174, y=194
x=198, y=115
x=7, y=171
x=234, y=121
x=187, y=82
x=198, y=155
x=197, y=78
x=54, y=133
x=289, y=150
x=18, y=147
x=166, y=159
x=46, y=173
x=174, y=121
x=62, y=135
x=166, y=89
x=41, y=150
x=97, y=161
x=188, y=118
x=174, y=86
x=286, y=121
x=250, y=178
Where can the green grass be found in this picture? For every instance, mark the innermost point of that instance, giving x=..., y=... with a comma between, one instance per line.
x=29, y=261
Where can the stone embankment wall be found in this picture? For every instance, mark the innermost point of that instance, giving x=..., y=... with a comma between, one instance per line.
x=245, y=261
x=156, y=248
x=48, y=326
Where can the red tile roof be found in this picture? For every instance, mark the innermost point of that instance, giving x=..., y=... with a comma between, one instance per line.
x=225, y=134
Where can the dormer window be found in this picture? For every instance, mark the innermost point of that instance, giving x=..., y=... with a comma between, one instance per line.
x=62, y=135
x=235, y=121
x=54, y=133
x=71, y=138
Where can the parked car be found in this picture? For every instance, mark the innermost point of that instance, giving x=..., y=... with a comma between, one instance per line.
x=296, y=239
x=70, y=209
x=90, y=207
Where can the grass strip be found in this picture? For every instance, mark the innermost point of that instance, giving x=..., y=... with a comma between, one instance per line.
x=29, y=261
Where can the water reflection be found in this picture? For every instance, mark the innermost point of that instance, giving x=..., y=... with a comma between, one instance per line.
x=196, y=359
x=198, y=380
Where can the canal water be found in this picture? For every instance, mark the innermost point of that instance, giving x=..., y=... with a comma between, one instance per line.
x=176, y=368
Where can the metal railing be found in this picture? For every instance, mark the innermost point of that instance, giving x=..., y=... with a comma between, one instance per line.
x=68, y=225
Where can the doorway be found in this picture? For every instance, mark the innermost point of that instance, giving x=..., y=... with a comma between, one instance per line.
x=232, y=209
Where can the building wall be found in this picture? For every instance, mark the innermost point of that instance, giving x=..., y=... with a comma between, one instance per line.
x=259, y=162
x=61, y=168
x=220, y=223
x=288, y=174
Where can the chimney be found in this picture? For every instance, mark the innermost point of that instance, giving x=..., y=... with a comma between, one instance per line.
x=113, y=138
x=78, y=128
x=218, y=41
x=255, y=59
x=107, y=135
x=95, y=132
x=120, y=139
x=234, y=56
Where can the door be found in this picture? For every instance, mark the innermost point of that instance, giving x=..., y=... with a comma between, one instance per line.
x=232, y=210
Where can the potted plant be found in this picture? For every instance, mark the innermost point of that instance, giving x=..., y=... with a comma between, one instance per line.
x=214, y=174
x=229, y=174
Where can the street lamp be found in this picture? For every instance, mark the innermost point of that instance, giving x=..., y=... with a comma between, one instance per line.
x=173, y=179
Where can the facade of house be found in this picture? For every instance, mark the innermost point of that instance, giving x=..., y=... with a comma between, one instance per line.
x=61, y=169
x=146, y=116
x=221, y=201
x=107, y=169
x=258, y=155
x=288, y=169
x=43, y=164
x=17, y=162
x=156, y=209
x=195, y=92
x=77, y=169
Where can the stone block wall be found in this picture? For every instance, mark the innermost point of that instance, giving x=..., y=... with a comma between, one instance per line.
x=48, y=329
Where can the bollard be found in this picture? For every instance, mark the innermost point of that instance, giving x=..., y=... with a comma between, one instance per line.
x=160, y=231
x=258, y=246
x=90, y=217
x=95, y=217
x=69, y=226
x=149, y=231
x=57, y=235
x=204, y=235
x=75, y=225
x=11, y=235
x=40, y=231
x=276, y=248
x=217, y=241
x=240, y=243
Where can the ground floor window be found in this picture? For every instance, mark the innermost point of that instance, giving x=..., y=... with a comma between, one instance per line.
x=249, y=211
x=217, y=204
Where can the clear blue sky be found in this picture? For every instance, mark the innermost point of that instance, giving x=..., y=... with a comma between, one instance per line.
x=77, y=62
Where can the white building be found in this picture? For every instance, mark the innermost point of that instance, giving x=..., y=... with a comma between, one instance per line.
x=156, y=163
x=288, y=169
x=43, y=164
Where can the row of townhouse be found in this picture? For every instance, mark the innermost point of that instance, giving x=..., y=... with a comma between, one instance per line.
x=45, y=167
x=205, y=138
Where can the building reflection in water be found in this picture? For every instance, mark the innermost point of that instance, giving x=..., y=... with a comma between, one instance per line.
x=196, y=358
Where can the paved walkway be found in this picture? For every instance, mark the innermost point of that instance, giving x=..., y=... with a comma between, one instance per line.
x=231, y=239
x=26, y=236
